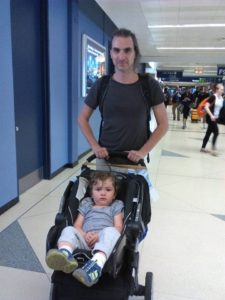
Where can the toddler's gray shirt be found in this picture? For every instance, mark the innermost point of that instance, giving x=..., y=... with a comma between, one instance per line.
x=97, y=218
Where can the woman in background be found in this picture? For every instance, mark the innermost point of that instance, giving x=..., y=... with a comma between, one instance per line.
x=212, y=108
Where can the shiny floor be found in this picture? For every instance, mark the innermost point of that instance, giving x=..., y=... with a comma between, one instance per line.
x=185, y=246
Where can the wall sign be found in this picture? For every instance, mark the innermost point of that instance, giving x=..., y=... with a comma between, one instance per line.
x=221, y=70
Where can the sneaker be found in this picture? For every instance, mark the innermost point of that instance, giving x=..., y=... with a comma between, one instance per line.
x=89, y=274
x=61, y=260
x=204, y=150
x=214, y=153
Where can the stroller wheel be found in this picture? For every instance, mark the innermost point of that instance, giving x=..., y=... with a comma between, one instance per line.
x=148, y=286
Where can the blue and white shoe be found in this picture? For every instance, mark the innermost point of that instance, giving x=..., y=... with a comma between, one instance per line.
x=89, y=274
x=61, y=260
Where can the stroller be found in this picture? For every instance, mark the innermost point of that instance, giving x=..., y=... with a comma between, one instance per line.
x=119, y=279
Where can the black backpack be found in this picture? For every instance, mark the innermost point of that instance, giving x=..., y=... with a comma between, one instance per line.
x=102, y=90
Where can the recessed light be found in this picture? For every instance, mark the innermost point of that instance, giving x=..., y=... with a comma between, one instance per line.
x=191, y=48
x=186, y=26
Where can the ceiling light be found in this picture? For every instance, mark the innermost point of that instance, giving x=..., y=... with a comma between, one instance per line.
x=198, y=70
x=190, y=48
x=186, y=66
x=186, y=26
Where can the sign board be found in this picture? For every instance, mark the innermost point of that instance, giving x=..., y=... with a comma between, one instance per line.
x=220, y=70
x=169, y=75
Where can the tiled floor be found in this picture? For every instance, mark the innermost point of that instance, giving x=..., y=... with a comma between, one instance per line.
x=185, y=246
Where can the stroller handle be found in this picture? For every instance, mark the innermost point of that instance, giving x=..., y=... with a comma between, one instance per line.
x=120, y=154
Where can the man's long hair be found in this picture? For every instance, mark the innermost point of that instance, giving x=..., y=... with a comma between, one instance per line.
x=123, y=32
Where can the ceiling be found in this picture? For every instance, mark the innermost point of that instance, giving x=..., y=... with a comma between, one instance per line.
x=136, y=15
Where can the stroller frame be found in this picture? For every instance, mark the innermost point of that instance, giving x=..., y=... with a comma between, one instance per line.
x=120, y=273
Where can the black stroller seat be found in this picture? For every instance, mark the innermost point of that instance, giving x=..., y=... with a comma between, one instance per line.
x=120, y=273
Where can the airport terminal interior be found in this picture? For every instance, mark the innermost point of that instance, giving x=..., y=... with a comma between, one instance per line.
x=43, y=83
x=185, y=244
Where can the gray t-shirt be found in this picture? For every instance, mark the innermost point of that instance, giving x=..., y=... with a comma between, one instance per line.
x=97, y=218
x=125, y=113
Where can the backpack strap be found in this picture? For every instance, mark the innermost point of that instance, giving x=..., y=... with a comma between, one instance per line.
x=102, y=90
x=103, y=87
x=144, y=80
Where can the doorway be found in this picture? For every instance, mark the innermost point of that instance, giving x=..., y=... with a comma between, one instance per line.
x=26, y=25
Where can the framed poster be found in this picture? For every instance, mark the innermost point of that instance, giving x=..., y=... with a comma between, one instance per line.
x=93, y=62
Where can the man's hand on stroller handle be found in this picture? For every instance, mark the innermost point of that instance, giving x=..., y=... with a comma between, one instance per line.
x=101, y=152
x=133, y=155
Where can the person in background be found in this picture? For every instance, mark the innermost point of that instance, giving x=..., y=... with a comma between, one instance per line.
x=202, y=94
x=175, y=102
x=186, y=101
x=124, y=127
x=167, y=96
x=196, y=93
x=212, y=108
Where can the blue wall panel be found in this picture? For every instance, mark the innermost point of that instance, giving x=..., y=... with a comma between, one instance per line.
x=93, y=22
x=64, y=71
x=58, y=81
x=26, y=26
x=8, y=172
x=74, y=76
x=65, y=74
x=88, y=27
